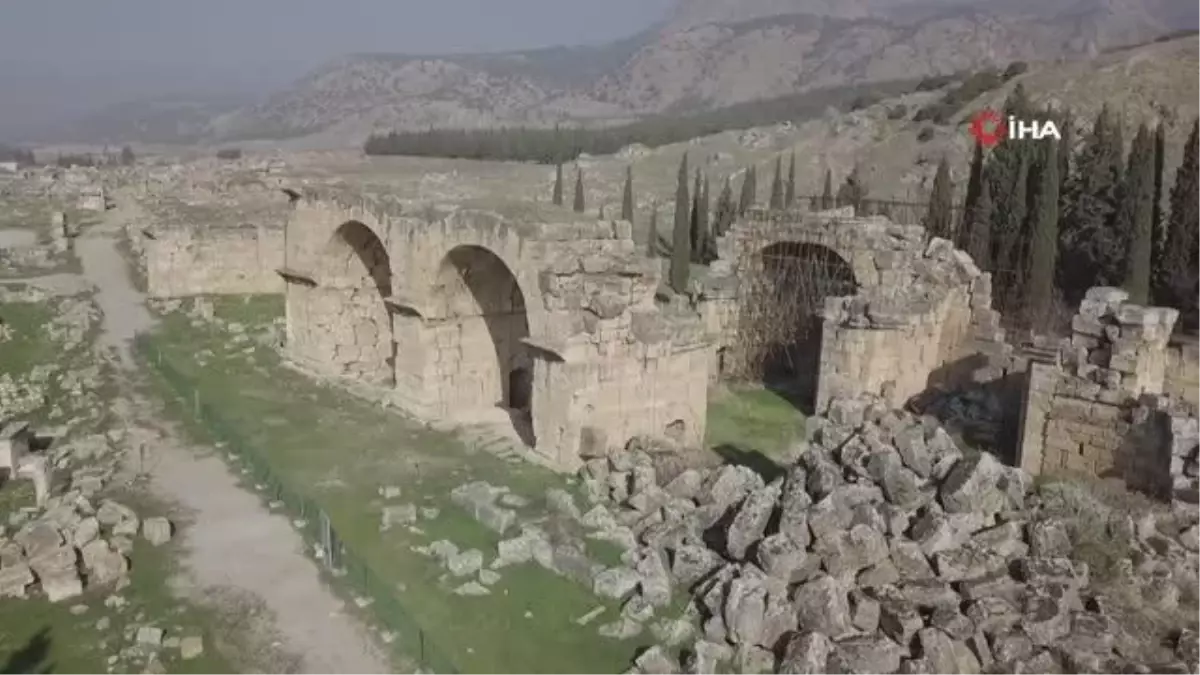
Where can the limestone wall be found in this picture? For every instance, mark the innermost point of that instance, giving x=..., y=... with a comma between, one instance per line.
x=1183, y=369
x=193, y=261
x=480, y=306
x=890, y=356
x=1094, y=406
x=655, y=383
x=921, y=309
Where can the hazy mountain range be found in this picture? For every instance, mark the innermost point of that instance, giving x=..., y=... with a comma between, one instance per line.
x=706, y=54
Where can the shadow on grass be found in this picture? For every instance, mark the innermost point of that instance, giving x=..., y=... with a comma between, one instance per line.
x=32, y=657
x=754, y=460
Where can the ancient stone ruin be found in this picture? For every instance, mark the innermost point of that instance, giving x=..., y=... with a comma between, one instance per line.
x=884, y=548
x=457, y=312
x=557, y=326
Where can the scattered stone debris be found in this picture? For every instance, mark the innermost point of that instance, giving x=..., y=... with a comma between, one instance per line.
x=883, y=548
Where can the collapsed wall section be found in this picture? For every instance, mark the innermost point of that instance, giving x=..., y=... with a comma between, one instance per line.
x=1081, y=404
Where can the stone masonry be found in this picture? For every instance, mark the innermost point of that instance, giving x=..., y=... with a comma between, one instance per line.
x=184, y=261
x=920, y=307
x=1094, y=405
x=456, y=312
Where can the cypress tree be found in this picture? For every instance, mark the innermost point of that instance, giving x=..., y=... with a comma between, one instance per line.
x=1178, y=274
x=939, y=219
x=707, y=242
x=749, y=190
x=777, y=186
x=1008, y=251
x=558, y=185
x=652, y=232
x=681, y=241
x=627, y=196
x=979, y=228
x=1007, y=175
x=1160, y=226
x=973, y=185
x=1043, y=249
x=1135, y=216
x=827, y=192
x=1066, y=152
x=1092, y=249
x=579, y=191
x=725, y=209
x=694, y=222
x=852, y=191
x=789, y=197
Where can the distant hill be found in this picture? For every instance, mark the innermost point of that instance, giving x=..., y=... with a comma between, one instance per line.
x=164, y=119
x=707, y=54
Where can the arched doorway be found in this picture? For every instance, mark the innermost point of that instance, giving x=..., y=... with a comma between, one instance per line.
x=482, y=363
x=348, y=317
x=781, y=299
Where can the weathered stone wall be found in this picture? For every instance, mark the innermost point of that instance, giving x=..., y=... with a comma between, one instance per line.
x=1093, y=406
x=920, y=309
x=183, y=261
x=1183, y=369
x=474, y=299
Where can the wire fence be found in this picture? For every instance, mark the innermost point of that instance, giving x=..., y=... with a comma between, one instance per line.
x=310, y=519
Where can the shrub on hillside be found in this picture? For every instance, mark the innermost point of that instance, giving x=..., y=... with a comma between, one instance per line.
x=1014, y=69
x=229, y=153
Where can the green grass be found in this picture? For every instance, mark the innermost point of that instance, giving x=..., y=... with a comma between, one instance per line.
x=753, y=420
x=248, y=310
x=337, y=450
x=27, y=347
x=38, y=636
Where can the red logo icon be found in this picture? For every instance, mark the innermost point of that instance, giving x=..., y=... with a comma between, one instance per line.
x=987, y=126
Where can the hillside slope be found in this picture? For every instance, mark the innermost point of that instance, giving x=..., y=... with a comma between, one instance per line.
x=708, y=54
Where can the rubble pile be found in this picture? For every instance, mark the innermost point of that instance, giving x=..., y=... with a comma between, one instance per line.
x=884, y=548
x=72, y=545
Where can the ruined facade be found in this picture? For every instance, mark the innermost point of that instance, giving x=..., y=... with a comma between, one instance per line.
x=1094, y=405
x=919, y=309
x=457, y=314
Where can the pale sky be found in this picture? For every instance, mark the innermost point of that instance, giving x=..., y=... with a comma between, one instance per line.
x=61, y=57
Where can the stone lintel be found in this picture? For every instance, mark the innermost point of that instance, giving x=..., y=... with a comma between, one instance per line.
x=406, y=306
x=557, y=352
x=296, y=277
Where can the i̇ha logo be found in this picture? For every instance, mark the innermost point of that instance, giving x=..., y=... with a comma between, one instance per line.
x=989, y=128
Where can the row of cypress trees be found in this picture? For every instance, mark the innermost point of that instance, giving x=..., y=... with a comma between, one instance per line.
x=697, y=223
x=1050, y=219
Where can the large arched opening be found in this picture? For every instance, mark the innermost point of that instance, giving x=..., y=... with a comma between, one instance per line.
x=482, y=361
x=781, y=298
x=352, y=318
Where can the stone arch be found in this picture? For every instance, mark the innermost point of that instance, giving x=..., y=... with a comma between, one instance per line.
x=784, y=287
x=481, y=322
x=348, y=316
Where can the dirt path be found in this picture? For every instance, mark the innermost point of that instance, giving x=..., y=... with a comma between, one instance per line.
x=232, y=542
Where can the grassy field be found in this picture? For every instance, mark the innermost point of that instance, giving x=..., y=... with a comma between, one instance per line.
x=26, y=347
x=37, y=636
x=338, y=450
x=752, y=421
